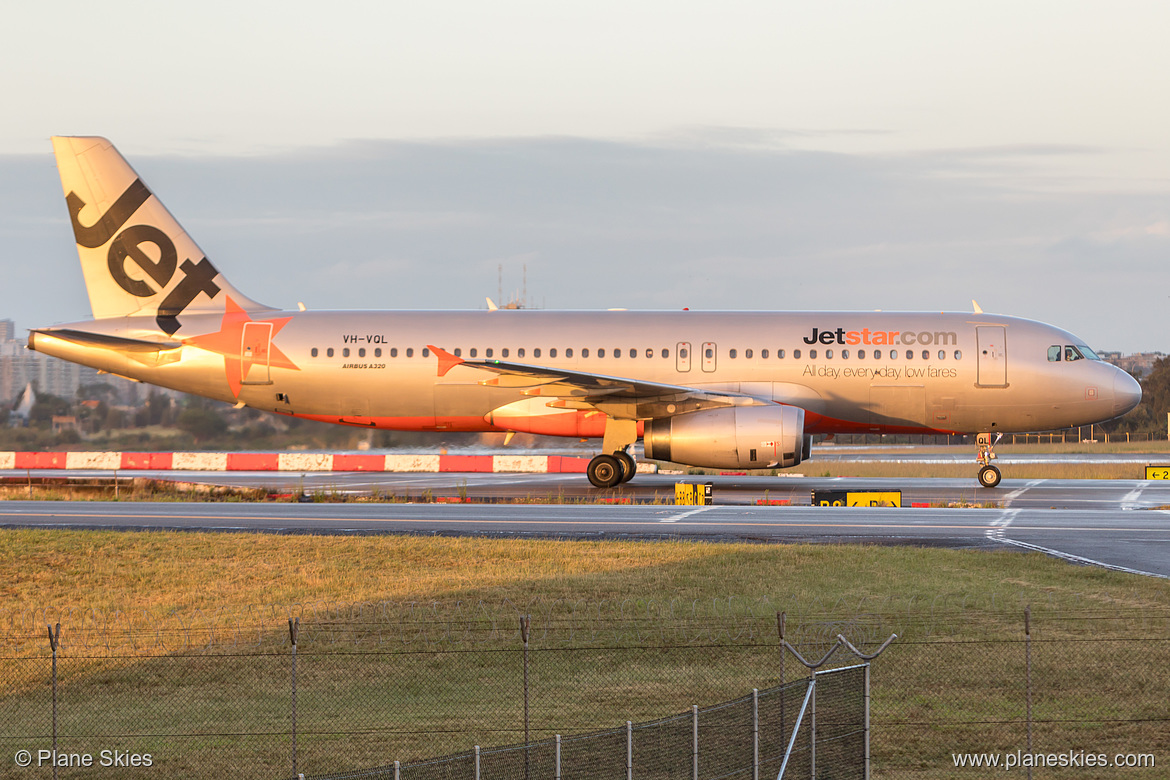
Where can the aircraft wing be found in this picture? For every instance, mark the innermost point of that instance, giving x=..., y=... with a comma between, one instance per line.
x=615, y=396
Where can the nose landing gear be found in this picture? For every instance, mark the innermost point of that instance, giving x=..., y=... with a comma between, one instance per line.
x=989, y=475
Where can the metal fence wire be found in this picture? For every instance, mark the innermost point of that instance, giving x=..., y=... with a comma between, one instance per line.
x=959, y=680
x=744, y=739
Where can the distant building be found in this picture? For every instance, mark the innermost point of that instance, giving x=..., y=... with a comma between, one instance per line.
x=20, y=367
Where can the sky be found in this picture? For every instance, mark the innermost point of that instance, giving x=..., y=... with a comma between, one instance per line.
x=739, y=155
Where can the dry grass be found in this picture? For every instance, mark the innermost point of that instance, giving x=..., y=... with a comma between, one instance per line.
x=423, y=703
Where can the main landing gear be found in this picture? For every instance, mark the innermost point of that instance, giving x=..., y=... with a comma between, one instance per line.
x=989, y=475
x=606, y=471
x=615, y=465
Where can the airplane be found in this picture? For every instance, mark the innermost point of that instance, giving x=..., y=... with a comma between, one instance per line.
x=714, y=389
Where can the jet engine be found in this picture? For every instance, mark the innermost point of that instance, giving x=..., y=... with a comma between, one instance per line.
x=737, y=437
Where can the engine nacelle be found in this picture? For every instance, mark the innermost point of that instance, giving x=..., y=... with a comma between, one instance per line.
x=737, y=437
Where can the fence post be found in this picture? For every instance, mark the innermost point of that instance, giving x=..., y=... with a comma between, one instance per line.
x=781, y=619
x=397, y=770
x=629, y=750
x=558, y=775
x=294, y=627
x=477, y=762
x=695, y=742
x=54, y=643
x=525, y=621
x=756, y=733
x=1028, y=673
x=812, y=730
x=867, y=720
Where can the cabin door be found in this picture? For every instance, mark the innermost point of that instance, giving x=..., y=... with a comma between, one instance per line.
x=992, y=357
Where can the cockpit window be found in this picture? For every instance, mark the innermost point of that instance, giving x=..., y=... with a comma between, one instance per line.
x=1072, y=353
x=1090, y=354
x=1054, y=353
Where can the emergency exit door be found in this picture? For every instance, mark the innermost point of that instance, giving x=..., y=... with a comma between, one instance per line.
x=254, y=353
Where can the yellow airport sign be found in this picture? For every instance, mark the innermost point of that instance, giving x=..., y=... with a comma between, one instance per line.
x=1157, y=472
x=857, y=498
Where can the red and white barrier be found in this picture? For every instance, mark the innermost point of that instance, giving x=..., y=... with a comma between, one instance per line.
x=291, y=461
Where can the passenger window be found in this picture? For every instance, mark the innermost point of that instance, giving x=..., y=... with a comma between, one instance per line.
x=569, y=353
x=535, y=353
x=861, y=354
x=329, y=352
x=585, y=352
x=474, y=352
x=601, y=352
x=552, y=353
x=877, y=354
x=780, y=354
x=665, y=353
x=345, y=352
x=828, y=354
x=764, y=354
x=378, y=352
x=682, y=353
x=747, y=353
x=410, y=351
x=633, y=352
x=520, y=352
x=617, y=353
x=313, y=352
x=812, y=354
x=426, y=352
x=844, y=354
x=1054, y=353
x=909, y=354
x=926, y=354
x=710, y=353
x=362, y=352
x=795, y=354
x=393, y=351
x=488, y=352
x=958, y=355
x=942, y=354
x=504, y=352
x=458, y=352
x=730, y=353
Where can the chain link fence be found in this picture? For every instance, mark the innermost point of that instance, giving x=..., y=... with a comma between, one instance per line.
x=217, y=694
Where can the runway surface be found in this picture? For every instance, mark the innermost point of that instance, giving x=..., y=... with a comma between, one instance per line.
x=1112, y=523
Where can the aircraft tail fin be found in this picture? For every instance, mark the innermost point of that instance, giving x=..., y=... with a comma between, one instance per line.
x=136, y=257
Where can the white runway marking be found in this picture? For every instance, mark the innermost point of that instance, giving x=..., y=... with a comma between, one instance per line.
x=680, y=516
x=1000, y=524
x=1079, y=559
x=1130, y=499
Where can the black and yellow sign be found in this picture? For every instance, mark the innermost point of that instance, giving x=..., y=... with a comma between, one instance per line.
x=686, y=494
x=857, y=498
x=1157, y=472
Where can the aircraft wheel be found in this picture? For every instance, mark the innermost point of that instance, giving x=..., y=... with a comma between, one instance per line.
x=604, y=471
x=629, y=466
x=989, y=476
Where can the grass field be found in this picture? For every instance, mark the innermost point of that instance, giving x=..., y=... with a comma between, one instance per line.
x=622, y=631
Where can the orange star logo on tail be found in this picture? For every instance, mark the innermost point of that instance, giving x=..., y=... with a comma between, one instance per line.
x=243, y=347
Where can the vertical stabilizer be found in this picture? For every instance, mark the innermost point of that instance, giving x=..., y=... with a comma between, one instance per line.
x=136, y=257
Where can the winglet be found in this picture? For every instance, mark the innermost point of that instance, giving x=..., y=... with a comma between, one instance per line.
x=978, y=310
x=447, y=361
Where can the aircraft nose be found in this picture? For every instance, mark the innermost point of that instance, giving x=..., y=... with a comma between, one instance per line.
x=1127, y=393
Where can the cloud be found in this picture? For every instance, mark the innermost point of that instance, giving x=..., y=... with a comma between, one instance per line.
x=724, y=220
